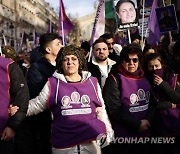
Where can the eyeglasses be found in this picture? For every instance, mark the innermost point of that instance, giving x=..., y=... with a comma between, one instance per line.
x=135, y=60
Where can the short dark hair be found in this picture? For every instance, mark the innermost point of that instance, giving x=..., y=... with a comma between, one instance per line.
x=130, y=49
x=123, y=1
x=146, y=48
x=106, y=36
x=45, y=39
x=149, y=58
x=86, y=45
x=99, y=40
x=135, y=36
x=153, y=56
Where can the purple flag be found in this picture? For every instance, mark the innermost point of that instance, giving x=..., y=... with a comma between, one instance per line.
x=154, y=33
x=99, y=22
x=65, y=25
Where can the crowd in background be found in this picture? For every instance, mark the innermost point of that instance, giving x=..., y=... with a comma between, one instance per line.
x=60, y=101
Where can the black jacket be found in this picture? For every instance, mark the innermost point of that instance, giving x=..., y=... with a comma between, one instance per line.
x=37, y=76
x=19, y=95
x=36, y=130
x=111, y=95
x=95, y=71
x=172, y=95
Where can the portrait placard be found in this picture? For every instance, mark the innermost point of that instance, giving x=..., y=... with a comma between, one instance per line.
x=126, y=13
x=167, y=19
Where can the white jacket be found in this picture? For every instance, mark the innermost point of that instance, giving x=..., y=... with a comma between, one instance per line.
x=39, y=104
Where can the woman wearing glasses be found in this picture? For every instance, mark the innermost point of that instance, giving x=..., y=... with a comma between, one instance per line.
x=127, y=97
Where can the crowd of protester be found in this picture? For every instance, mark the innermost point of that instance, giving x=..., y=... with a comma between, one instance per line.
x=56, y=101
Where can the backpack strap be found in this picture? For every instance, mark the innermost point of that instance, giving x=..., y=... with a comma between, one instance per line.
x=116, y=79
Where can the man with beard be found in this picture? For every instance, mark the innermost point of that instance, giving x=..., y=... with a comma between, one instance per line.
x=100, y=64
x=113, y=54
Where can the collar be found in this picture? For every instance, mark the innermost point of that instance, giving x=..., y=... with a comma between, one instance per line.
x=136, y=75
x=109, y=62
x=85, y=75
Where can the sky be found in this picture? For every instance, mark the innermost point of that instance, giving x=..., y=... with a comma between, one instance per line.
x=74, y=7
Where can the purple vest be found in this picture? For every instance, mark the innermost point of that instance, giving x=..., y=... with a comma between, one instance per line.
x=74, y=112
x=167, y=122
x=4, y=92
x=134, y=98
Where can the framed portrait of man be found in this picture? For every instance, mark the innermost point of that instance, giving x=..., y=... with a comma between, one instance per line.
x=167, y=19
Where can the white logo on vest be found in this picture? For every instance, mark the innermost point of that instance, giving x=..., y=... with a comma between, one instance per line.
x=140, y=96
x=75, y=99
x=76, y=111
x=85, y=100
x=133, y=99
x=66, y=102
x=136, y=98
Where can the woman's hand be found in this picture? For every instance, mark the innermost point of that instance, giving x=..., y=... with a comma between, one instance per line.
x=173, y=106
x=12, y=109
x=144, y=125
x=7, y=134
x=157, y=80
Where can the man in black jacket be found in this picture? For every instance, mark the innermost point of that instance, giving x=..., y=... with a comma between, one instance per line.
x=37, y=129
x=100, y=64
x=13, y=90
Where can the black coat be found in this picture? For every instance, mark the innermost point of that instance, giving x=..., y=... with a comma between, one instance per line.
x=35, y=133
x=95, y=71
x=111, y=95
x=37, y=76
x=19, y=95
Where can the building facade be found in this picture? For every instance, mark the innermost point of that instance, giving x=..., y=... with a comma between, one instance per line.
x=29, y=16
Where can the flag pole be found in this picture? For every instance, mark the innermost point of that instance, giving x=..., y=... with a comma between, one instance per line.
x=129, y=36
x=63, y=33
x=0, y=51
x=143, y=45
x=50, y=26
x=4, y=38
x=22, y=40
x=62, y=24
x=164, y=3
x=142, y=33
x=34, y=38
x=98, y=22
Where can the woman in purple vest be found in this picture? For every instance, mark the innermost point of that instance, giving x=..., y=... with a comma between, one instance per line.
x=166, y=90
x=127, y=97
x=75, y=100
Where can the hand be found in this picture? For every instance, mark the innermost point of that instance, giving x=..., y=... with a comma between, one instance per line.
x=157, y=80
x=7, y=134
x=173, y=106
x=144, y=125
x=12, y=110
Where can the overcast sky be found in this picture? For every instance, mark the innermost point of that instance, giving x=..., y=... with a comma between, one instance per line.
x=80, y=7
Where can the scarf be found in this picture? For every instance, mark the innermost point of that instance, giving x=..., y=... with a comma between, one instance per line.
x=139, y=73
